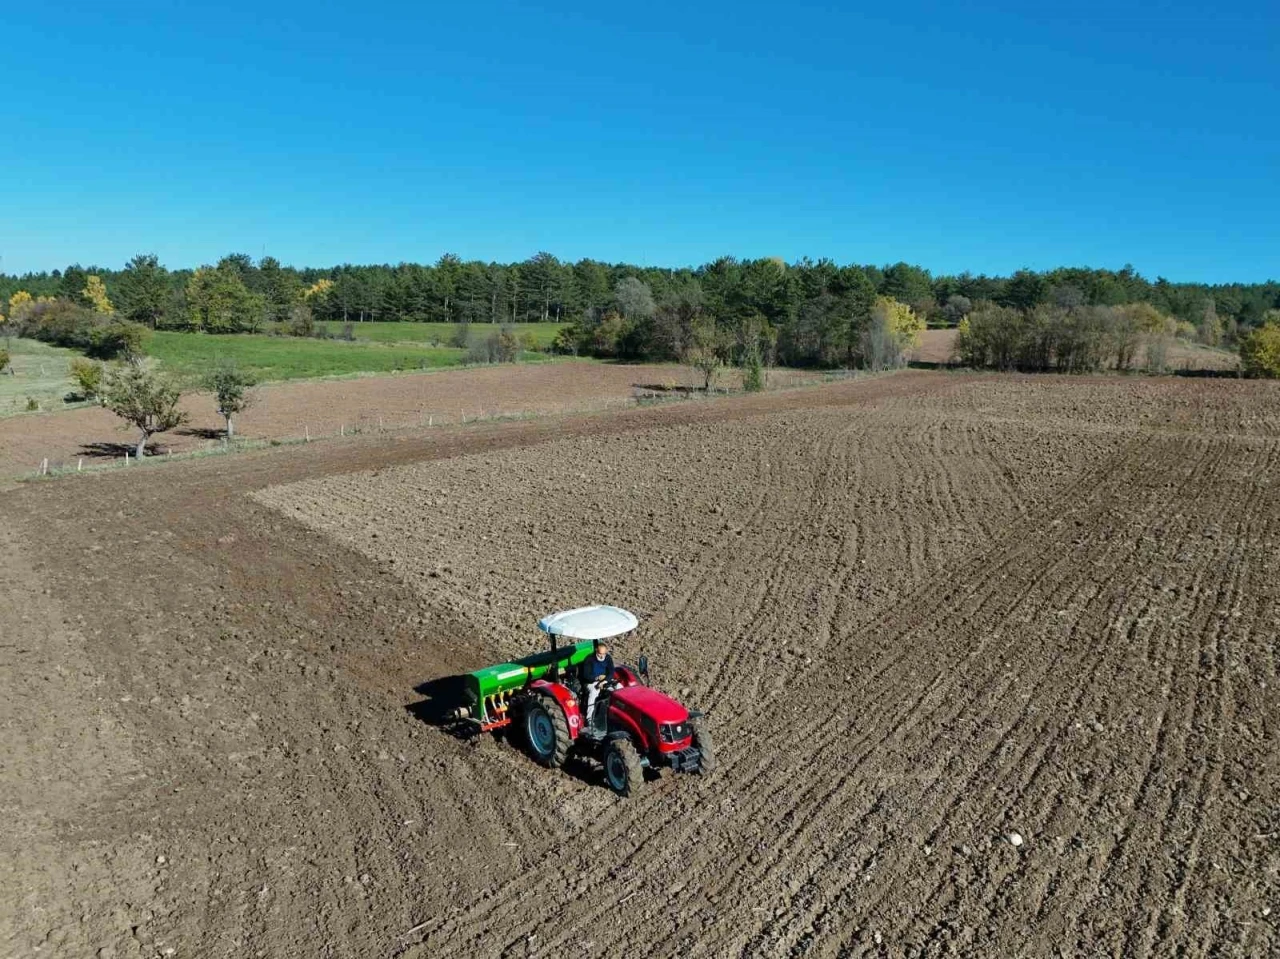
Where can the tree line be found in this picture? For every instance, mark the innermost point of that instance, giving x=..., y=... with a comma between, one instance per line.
x=807, y=313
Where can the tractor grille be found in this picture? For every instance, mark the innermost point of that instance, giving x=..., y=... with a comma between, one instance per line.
x=673, y=732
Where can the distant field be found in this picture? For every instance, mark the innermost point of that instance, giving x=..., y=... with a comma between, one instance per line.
x=190, y=355
x=39, y=373
x=442, y=334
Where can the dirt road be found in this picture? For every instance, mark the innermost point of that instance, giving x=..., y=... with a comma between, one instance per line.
x=927, y=613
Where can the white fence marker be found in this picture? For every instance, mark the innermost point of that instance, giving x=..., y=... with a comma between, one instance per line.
x=79, y=464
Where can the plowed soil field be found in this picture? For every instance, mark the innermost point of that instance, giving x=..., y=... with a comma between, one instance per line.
x=992, y=665
x=329, y=407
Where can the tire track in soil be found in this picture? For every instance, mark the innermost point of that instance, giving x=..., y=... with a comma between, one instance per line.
x=1108, y=623
x=877, y=855
x=1154, y=934
x=632, y=874
x=697, y=824
x=1047, y=799
x=592, y=917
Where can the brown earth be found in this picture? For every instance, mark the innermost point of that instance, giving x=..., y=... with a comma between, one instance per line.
x=924, y=611
x=324, y=407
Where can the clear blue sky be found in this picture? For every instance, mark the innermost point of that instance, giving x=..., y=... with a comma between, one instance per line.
x=981, y=137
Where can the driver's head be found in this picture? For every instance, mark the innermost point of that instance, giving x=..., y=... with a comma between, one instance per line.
x=602, y=649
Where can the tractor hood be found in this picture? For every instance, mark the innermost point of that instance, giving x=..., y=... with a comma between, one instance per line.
x=658, y=706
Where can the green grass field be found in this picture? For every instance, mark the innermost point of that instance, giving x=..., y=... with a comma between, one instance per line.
x=542, y=335
x=39, y=373
x=191, y=355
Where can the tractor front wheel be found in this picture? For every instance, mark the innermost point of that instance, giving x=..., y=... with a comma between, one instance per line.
x=706, y=748
x=546, y=731
x=622, y=767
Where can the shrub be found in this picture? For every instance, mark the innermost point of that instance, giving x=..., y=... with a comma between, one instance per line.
x=64, y=323
x=118, y=340
x=605, y=336
x=348, y=332
x=4, y=360
x=88, y=377
x=500, y=346
x=1260, y=351
x=301, y=321
x=461, y=335
x=60, y=322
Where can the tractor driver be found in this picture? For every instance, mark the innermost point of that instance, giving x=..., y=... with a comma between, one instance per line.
x=596, y=674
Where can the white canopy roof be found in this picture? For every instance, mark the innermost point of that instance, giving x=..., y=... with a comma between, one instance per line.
x=589, y=622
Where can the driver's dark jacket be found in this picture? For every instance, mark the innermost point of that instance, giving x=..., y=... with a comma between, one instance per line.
x=593, y=668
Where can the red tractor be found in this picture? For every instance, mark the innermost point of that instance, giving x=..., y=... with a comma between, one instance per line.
x=632, y=726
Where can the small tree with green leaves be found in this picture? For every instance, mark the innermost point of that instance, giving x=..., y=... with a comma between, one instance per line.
x=752, y=333
x=4, y=360
x=145, y=399
x=88, y=377
x=705, y=350
x=232, y=390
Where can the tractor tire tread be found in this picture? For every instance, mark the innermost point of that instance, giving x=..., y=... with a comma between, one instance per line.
x=631, y=759
x=706, y=746
x=555, y=759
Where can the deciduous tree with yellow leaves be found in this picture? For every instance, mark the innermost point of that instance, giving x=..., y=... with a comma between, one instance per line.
x=893, y=329
x=1260, y=349
x=96, y=294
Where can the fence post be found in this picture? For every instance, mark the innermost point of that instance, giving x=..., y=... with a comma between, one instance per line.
x=307, y=432
x=79, y=464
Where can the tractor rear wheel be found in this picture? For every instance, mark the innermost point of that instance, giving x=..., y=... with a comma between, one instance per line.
x=622, y=768
x=546, y=731
x=706, y=748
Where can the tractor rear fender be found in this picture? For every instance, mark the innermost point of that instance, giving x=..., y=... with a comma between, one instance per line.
x=568, y=702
